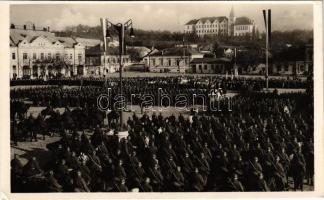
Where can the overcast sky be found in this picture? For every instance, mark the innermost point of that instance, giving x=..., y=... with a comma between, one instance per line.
x=159, y=16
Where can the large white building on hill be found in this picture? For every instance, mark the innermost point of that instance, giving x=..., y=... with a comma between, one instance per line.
x=221, y=26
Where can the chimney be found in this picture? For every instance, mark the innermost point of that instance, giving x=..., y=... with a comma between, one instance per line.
x=25, y=27
x=34, y=27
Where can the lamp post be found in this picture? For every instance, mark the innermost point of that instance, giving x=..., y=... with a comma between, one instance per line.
x=120, y=28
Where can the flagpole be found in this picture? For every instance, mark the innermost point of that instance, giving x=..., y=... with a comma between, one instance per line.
x=267, y=20
x=267, y=57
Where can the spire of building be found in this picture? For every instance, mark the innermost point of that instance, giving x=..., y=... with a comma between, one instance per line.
x=232, y=12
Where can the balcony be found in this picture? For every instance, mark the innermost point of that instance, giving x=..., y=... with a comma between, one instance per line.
x=25, y=62
x=47, y=60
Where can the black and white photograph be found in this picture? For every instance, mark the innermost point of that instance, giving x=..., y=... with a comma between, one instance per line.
x=142, y=97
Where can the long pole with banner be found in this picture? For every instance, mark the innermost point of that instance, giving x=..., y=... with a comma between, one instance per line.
x=267, y=19
x=103, y=25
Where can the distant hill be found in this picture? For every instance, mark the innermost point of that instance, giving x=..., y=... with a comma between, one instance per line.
x=165, y=39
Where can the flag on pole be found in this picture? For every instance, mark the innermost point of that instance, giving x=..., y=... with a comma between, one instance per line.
x=267, y=23
x=265, y=18
x=269, y=27
x=104, y=27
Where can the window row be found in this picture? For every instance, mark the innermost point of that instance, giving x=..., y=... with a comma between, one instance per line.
x=210, y=26
x=242, y=27
x=211, y=31
x=42, y=56
x=167, y=62
x=213, y=66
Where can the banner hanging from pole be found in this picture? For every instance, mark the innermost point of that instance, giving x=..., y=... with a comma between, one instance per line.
x=104, y=27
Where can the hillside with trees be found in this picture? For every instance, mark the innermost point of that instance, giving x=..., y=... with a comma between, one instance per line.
x=165, y=39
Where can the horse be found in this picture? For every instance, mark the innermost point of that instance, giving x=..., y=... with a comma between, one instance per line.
x=20, y=108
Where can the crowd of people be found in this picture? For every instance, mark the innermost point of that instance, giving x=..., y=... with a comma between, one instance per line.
x=262, y=145
x=230, y=83
x=133, y=88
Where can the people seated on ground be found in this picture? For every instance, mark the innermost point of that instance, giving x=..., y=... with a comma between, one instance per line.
x=257, y=147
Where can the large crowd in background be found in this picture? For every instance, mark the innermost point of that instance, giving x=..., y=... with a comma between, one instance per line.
x=230, y=82
x=263, y=144
x=87, y=93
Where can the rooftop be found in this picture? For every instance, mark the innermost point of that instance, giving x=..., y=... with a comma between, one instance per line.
x=17, y=35
x=191, y=22
x=175, y=52
x=30, y=34
x=88, y=42
x=205, y=19
x=98, y=50
x=243, y=21
x=209, y=60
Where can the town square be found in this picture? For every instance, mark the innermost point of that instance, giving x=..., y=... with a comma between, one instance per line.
x=165, y=97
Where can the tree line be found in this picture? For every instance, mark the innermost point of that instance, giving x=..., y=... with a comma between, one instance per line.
x=166, y=39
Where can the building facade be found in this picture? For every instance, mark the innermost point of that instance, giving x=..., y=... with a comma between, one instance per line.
x=221, y=26
x=296, y=60
x=244, y=26
x=100, y=63
x=210, y=65
x=38, y=53
x=175, y=60
x=212, y=26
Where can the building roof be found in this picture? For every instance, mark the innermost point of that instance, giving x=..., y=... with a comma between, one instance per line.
x=175, y=52
x=98, y=50
x=212, y=19
x=209, y=60
x=192, y=22
x=88, y=42
x=243, y=21
x=67, y=41
x=18, y=35
x=142, y=50
x=151, y=52
x=205, y=19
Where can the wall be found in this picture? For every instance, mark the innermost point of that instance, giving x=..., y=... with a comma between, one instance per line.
x=208, y=68
x=247, y=29
x=14, y=62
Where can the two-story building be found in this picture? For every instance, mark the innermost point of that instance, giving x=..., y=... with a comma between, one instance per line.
x=244, y=26
x=297, y=60
x=38, y=53
x=171, y=59
x=210, y=65
x=100, y=63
